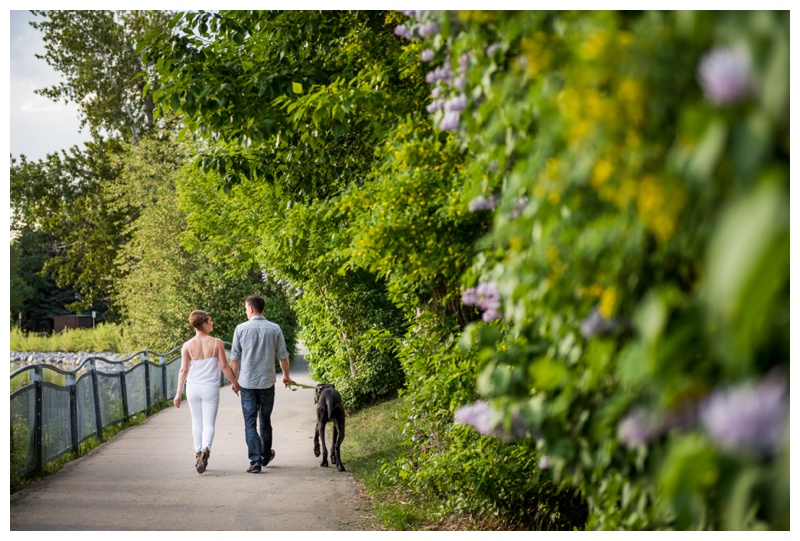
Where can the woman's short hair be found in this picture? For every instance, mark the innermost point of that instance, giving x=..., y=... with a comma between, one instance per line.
x=197, y=318
x=256, y=302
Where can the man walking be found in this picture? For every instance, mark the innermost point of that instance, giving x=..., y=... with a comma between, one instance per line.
x=256, y=344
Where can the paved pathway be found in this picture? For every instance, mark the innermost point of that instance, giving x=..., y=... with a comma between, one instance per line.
x=144, y=478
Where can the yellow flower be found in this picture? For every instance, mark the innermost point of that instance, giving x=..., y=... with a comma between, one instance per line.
x=608, y=302
x=592, y=47
x=659, y=204
x=594, y=291
x=478, y=16
x=536, y=53
x=602, y=172
x=578, y=130
x=595, y=106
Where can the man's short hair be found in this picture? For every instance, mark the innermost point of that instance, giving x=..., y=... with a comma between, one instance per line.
x=257, y=302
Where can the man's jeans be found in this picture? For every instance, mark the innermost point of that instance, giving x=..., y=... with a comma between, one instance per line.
x=257, y=405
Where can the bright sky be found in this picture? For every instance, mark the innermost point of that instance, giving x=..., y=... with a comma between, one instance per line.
x=38, y=126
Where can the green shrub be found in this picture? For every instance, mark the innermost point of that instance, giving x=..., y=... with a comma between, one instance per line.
x=106, y=337
x=638, y=253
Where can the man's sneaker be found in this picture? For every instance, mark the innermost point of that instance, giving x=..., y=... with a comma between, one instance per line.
x=264, y=462
x=254, y=468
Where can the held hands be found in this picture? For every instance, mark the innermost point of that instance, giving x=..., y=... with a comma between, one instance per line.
x=235, y=388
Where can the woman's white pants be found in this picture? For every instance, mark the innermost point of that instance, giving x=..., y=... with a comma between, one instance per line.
x=203, y=401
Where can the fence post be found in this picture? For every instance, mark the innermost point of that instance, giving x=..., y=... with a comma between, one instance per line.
x=146, y=362
x=91, y=368
x=73, y=411
x=123, y=389
x=36, y=377
x=162, y=362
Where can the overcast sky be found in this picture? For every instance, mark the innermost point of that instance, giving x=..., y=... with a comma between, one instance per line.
x=38, y=125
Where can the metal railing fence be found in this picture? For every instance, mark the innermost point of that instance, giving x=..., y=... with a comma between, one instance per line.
x=53, y=410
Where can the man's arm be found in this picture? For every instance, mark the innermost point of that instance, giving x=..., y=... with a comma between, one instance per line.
x=287, y=379
x=236, y=352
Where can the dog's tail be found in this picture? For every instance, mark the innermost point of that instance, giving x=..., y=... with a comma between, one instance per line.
x=330, y=404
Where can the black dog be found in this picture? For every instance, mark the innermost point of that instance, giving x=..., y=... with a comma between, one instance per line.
x=329, y=409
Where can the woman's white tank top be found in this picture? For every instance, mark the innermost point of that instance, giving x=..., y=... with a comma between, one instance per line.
x=204, y=370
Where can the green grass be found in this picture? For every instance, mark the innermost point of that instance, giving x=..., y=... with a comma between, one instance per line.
x=374, y=436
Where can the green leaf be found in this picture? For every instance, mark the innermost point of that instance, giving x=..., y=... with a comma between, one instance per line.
x=547, y=374
x=297, y=88
x=708, y=152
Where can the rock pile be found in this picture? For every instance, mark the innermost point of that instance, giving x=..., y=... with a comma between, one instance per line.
x=64, y=359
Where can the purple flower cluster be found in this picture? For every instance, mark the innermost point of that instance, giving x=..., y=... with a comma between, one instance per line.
x=442, y=76
x=418, y=29
x=456, y=104
x=428, y=29
x=435, y=106
x=483, y=203
x=403, y=31
x=750, y=417
x=441, y=73
x=596, y=324
x=639, y=428
x=487, y=298
x=491, y=49
x=450, y=121
x=479, y=415
x=522, y=202
x=726, y=75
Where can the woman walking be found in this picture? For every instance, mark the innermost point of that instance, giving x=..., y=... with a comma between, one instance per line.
x=202, y=360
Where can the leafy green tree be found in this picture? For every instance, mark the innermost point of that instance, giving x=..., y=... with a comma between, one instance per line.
x=33, y=293
x=62, y=196
x=20, y=291
x=96, y=53
x=290, y=118
x=165, y=277
x=293, y=97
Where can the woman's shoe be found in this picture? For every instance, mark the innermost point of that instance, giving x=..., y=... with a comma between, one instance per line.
x=203, y=461
x=199, y=462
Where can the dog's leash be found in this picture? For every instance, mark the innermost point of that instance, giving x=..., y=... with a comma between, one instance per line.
x=293, y=385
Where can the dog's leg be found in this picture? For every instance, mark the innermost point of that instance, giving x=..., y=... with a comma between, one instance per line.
x=338, y=427
x=316, y=439
x=334, y=451
x=324, y=462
